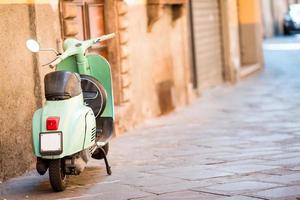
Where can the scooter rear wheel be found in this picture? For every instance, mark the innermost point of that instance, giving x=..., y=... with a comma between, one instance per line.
x=57, y=175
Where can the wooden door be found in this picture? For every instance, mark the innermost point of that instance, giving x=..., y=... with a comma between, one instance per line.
x=90, y=22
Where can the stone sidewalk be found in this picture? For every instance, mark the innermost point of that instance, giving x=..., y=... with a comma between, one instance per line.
x=235, y=143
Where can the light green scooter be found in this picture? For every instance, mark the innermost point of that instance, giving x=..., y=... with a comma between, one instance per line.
x=76, y=121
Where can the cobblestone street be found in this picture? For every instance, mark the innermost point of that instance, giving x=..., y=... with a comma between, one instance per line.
x=234, y=143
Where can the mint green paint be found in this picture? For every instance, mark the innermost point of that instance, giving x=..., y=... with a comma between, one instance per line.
x=73, y=119
x=68, y=64
x=99, y=68
x=77, y=49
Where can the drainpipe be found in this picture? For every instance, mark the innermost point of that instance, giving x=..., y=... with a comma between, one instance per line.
x=37, y=90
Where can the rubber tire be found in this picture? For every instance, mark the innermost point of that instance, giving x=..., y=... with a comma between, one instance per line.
x=56, y=175
x=98, y=154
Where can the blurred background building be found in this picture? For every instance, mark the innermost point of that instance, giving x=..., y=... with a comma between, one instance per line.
x=273, y=15
x=166, y=53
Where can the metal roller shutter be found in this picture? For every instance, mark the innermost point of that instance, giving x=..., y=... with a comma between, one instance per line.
x=208, y=43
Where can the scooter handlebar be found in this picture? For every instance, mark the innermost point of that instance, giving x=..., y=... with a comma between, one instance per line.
x=88, y=43
x=63, y=56
x=85, y=45
x=56, y=61
x=104, y=37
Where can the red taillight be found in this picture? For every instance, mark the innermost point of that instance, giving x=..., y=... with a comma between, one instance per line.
x=52, y=123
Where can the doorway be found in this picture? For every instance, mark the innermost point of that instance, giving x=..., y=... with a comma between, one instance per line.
x=249, y=35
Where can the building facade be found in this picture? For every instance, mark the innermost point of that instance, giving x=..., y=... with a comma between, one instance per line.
x=226, y=41
x=166, y=53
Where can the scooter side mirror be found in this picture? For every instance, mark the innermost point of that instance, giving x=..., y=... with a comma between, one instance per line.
x=33, y=45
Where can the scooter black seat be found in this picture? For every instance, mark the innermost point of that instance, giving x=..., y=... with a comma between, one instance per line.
x=62, y=85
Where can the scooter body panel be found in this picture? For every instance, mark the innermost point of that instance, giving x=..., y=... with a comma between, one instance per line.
x=77, y=124
x=100, y=69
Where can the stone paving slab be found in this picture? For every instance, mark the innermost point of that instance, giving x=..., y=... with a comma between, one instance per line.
x=295, y=161
x=279, y=193
x=273, y=138
x=151, y=180
x=192, y=173
x=236, y=188
x=285, y=155
x=289, y=179
x=238, y=197
x=116, y=191
x=184, y=195
x=245, y=168
x=168, y=188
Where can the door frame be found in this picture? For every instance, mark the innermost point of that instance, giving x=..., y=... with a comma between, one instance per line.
x=193, y=72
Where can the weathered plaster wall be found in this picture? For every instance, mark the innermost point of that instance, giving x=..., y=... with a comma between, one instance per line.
x=17, y=97
x=159, y=63
x=20, y=82
x=267, y=18
x=48, y=34
x=231, y=44
x=250, y=31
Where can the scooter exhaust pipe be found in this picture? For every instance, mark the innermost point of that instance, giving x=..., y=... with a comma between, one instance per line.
x=75, y=166
x=79, y=165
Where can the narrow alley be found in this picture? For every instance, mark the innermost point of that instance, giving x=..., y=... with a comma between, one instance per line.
x=240, y=142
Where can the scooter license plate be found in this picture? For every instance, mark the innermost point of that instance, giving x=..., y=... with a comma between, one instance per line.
x=51, y=143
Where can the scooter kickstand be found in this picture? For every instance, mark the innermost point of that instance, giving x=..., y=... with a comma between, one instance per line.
x=108, y=168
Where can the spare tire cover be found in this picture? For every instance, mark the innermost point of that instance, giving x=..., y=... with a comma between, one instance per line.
x=94, y=94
